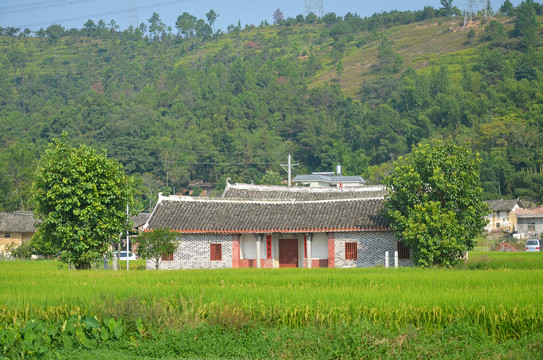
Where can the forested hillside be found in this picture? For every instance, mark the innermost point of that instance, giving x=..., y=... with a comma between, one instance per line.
x=179, y=103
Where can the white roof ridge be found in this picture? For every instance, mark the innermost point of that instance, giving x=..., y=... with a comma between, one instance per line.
x=364, y=188
x=177, y=198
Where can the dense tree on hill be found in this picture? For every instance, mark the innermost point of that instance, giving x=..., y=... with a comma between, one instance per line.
x=526, y=24
x=211, y=18
x=507, y=8
x=278, y=16
x=244, y=100
x=447, y=8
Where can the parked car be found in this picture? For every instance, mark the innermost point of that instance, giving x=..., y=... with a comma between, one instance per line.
x=127, y=255
x=533, y=245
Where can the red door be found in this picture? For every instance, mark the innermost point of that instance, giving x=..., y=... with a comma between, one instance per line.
x=288, y=253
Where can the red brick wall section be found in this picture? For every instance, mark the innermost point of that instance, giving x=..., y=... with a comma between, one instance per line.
x=331, y=250
x=251, y=263
x=235, y=251
x=317, y=263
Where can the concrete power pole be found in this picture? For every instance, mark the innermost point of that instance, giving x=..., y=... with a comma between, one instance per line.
x=288, y=167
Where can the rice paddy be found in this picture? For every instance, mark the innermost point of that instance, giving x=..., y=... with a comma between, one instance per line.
x=499, y=293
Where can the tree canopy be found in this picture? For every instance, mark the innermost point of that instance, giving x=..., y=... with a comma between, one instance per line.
x=435, y=203
x=154, y=245
x=81, y=198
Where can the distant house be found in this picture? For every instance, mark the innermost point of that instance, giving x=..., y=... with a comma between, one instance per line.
x=16, y=227
x=329, y=179
x=275, y=227
x=502, y=216
x=530, y=222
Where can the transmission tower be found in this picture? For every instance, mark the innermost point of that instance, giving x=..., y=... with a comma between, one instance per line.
x=133, y=13
x=472, y=6
x=313, y=6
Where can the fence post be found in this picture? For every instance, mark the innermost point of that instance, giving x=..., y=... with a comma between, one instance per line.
x=395, y=259
x=386, y=259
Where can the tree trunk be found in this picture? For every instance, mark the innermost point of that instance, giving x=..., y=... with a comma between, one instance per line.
x=83, y=266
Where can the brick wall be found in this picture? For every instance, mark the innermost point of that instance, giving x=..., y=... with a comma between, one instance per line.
x=317, y=263
x=251, y=263
x=193, y=252
x=371, y=249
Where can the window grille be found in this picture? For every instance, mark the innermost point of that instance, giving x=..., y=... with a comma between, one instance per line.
x=403, y=251
x=351, y=251
x=216, y=252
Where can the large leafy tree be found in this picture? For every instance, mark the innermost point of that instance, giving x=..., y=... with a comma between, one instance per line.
x=81, y=198
x=435, y=202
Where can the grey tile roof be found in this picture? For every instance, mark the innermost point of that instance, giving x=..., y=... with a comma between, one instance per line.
x=502, y=205
x=272, y=192
x=18, y=221
x=140, y=219
x=195, y=215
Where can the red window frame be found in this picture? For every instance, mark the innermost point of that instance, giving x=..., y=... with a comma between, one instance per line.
x=268, y=246
x=167, y=257
x=215, y=252
x=351, y=251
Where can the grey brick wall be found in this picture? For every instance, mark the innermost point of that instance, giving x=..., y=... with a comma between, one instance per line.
x=193, y=252
x=371, y=249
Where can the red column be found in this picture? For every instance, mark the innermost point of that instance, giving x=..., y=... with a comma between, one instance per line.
x=235, y=250
x=331, y=250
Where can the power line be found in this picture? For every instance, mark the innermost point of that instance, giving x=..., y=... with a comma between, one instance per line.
x=38, y=5
x=87, y=17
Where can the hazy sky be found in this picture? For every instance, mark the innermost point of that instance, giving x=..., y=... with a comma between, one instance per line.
x=34, y=14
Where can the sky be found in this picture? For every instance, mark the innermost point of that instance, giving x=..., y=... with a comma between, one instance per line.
x=34, y=14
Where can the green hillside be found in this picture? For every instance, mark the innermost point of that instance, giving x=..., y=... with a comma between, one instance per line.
x=346, y=90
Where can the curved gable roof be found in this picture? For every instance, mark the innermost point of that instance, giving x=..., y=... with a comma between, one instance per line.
x=195, y=215
x=273, y=192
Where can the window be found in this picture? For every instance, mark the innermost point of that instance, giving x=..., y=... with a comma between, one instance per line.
x=351, y=251
x=167, y=257
x=216, y=252
x=403, y=251
x=268, y=247
x=497, y=225
x=7, y=235
x=531, y=227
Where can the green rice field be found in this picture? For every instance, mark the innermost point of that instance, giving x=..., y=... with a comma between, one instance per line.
x=497, y=295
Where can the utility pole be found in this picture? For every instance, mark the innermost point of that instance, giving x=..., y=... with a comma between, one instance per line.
x=127, y=241
x=288, y=168
x=133, y=13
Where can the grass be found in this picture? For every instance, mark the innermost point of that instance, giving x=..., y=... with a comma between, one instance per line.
x=401, y=313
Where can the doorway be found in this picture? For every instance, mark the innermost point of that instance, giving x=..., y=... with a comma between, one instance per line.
x=288, y=253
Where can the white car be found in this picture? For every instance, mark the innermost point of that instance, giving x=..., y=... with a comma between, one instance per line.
x=533, y=245
x=127, y=255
